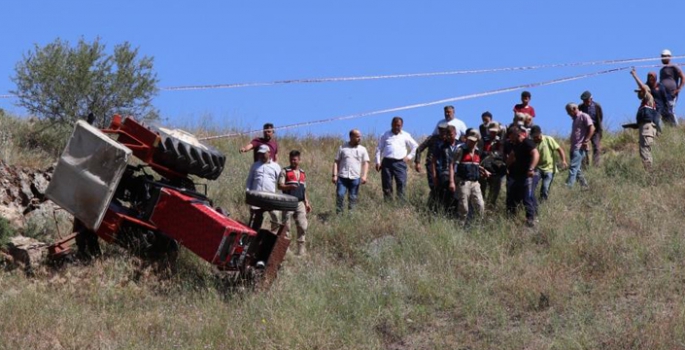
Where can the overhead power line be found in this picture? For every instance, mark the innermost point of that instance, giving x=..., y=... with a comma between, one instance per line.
x=398, y=76
x=424, y=104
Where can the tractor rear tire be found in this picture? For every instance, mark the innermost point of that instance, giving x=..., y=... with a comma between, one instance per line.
x=271, y=201
x=183, y=153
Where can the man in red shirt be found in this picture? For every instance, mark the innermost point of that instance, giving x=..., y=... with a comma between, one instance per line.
x=268, y=140
x=524, y=106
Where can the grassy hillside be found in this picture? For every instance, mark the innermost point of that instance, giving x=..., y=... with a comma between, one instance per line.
x=602, y=271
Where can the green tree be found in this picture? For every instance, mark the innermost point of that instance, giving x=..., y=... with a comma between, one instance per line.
x=61, y=83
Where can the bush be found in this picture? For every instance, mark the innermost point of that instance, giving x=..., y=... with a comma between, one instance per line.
x=6, y=232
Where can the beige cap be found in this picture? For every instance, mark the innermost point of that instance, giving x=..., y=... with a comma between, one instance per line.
x=494, y=127
x=473, y=135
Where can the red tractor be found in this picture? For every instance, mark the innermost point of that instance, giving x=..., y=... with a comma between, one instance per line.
x=152, y=214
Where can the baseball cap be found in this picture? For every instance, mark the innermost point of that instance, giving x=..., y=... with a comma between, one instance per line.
x=535, y=130
x=473, y=135
x=520, y=116
x=585, y=95
x=263, y=149
x=666, y=53
x=443, y=125
x=494, y=126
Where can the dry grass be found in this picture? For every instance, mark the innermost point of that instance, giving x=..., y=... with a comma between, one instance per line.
x=602, y=271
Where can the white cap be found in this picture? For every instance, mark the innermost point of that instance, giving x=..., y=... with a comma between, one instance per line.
x=263, y=149
x=666, y=53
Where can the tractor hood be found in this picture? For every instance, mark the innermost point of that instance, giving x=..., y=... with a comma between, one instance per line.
x=87, y=174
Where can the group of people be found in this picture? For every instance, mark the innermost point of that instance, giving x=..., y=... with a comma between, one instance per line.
x=266, y=175
x=466, y=167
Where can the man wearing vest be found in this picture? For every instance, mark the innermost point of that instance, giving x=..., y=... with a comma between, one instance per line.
x=646, y=116
x=464, y=181
x=293, y=181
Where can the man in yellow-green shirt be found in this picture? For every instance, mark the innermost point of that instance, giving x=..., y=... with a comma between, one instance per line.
x=547, y=166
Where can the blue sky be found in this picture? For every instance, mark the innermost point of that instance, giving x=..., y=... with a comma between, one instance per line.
x=222, y=42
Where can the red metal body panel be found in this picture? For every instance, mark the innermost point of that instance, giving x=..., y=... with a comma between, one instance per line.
x=198, y=227
x=113, y=220
x=142, y=141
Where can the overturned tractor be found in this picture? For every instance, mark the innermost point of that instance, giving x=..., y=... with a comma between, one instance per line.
x=152, y=208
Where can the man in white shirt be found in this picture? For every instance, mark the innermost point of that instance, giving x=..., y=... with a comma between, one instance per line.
x=452, y=120
x=263, y=177
x=350, y=168
x=391, y=158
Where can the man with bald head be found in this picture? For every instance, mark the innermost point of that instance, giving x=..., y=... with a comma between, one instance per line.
x=350, y=169
x=582, y=130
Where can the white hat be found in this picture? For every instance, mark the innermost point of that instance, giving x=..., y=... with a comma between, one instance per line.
x=263, y=149
x=666, y=53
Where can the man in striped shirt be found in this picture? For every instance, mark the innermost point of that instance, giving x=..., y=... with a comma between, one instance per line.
x=392, y=157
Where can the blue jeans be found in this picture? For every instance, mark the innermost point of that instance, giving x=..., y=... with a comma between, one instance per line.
x=397, y=169
x=546, y=178
x=670, y=117
x=574, y=171
x=522, y=191
x=349, y=186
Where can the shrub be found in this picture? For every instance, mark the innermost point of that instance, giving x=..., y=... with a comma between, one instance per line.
x=6, y=232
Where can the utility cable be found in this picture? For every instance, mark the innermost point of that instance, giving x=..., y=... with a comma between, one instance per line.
x=425, y=104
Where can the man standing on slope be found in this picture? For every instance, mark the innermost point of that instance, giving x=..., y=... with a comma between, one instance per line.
x=524, y=106
x=431, y=143
x=646, y=116
x=547, y=166
x=452, y=120
x=263, y=177
x=350, y=168
x=672, y=78
x=392, y=157
x=594, y=110
x=661, y=102
x=440, y=168
x=464, y=181
x=582, y=130
x=522, y=160
x=293, y=181
x=267, y=139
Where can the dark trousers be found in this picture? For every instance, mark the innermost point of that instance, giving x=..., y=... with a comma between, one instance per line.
x=429, y=176
x=444, y=198
x=490, y=188
x=393, y=169
x=596, y=142
x=522, y=191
